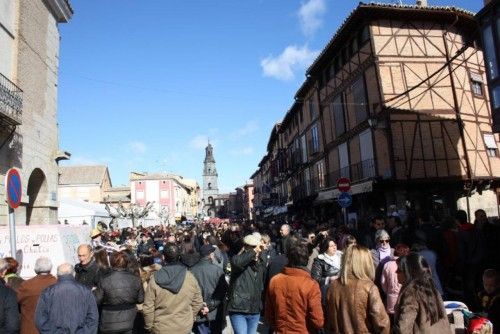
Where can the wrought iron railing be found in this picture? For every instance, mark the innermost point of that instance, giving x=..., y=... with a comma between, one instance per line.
x=11, y=101
x=356, y=172
x=307, y=188
x=363, y=170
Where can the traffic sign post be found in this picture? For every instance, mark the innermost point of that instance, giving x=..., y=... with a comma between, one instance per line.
x=344, y=184
x=13, y=190
x=345, y=199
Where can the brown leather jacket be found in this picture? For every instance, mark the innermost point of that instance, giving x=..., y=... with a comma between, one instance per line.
x=410, y=316
x=355, y=308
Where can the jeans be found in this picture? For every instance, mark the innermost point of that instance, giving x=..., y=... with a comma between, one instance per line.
x=244, y=323
x=208, y=327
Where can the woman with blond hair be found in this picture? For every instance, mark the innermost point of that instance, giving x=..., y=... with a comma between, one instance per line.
x=353, y=303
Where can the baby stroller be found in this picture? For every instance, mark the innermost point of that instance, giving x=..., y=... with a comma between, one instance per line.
x=463, y=321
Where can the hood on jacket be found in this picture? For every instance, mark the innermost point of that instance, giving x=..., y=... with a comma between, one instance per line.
x=171, y=277
x=190, y=259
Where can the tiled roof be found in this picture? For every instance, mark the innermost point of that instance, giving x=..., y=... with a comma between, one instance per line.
x=72, y=175
x=389, y=6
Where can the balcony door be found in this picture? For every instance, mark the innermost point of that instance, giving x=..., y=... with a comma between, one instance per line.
x=366, y=149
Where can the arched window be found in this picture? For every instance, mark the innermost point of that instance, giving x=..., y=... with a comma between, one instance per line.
x=210, y=200
x=209, y=185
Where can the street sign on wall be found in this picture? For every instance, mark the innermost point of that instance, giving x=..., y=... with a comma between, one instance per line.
x=13, y=188
x=344, y=184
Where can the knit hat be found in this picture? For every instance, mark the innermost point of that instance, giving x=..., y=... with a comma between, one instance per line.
x=251, y=240
x=206, y=250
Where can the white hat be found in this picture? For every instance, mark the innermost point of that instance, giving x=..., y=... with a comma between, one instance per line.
x=251, y=240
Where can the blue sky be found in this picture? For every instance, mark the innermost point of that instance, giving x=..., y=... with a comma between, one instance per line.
x=144, y=84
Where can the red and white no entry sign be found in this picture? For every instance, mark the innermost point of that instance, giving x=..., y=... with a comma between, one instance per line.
x=344, y=184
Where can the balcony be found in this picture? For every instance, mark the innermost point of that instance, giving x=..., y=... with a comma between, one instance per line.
x=11, y=102
x=356, y=172
x=307, y=188
x=363, y=170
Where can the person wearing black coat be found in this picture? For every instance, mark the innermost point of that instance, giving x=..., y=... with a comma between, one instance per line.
x=9, y=311
x=118, y=293
x=87, y=271
x=213, y=285
x=246, y=286
x=145, y=245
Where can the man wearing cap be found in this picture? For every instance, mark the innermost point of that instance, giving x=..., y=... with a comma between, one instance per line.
x=246, y=286
x=212, y=282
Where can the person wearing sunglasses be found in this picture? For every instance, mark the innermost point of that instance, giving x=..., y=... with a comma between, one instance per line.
x=382, y=248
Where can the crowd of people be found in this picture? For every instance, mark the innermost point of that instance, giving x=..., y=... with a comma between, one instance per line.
x=387, y=277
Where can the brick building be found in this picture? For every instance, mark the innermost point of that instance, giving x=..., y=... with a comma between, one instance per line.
x=397, y=102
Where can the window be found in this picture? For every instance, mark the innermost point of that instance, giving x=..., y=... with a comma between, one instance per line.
x=353, y=46
x=490, y=144
x=210, y=200
x=209, y=185
x=344, y=160
x=489, y=51
x=314, y=139
x=303, y=147
x=320, y=168
x=307, y=179
x=364, y=35
x=312, y=109
x=476, y=84
x=477, y=88
x=338, y=116
x=358, y=92
x=495, y=95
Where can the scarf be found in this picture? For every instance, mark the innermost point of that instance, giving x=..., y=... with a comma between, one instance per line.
x=333, y=261
x=383, y=253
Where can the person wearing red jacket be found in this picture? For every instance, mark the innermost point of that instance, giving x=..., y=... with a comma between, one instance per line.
x=293, y=301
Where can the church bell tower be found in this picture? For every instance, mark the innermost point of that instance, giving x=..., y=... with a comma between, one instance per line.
x=210, y=187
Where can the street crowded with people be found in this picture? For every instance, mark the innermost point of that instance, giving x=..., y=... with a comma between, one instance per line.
x=266, y=278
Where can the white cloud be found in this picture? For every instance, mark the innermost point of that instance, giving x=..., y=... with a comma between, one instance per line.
x=310, y=16
x=137, y=147
x=243, y=151
x=249, y=128
x=292, y=58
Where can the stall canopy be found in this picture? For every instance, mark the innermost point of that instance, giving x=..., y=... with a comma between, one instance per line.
x=76, y=212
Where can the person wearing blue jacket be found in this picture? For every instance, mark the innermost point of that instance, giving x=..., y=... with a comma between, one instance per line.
x=67, y=306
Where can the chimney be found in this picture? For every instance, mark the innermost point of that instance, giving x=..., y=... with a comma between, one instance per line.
x=422, y=3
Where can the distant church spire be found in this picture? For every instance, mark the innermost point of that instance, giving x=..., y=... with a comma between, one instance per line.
x=209, y=153
x=210, y=182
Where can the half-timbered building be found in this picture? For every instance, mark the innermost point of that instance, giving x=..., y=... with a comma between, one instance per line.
x=397, y=101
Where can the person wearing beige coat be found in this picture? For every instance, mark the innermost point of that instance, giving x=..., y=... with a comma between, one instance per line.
x=173, y=297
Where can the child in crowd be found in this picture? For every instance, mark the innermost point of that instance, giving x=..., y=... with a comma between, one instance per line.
x=489, y=298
